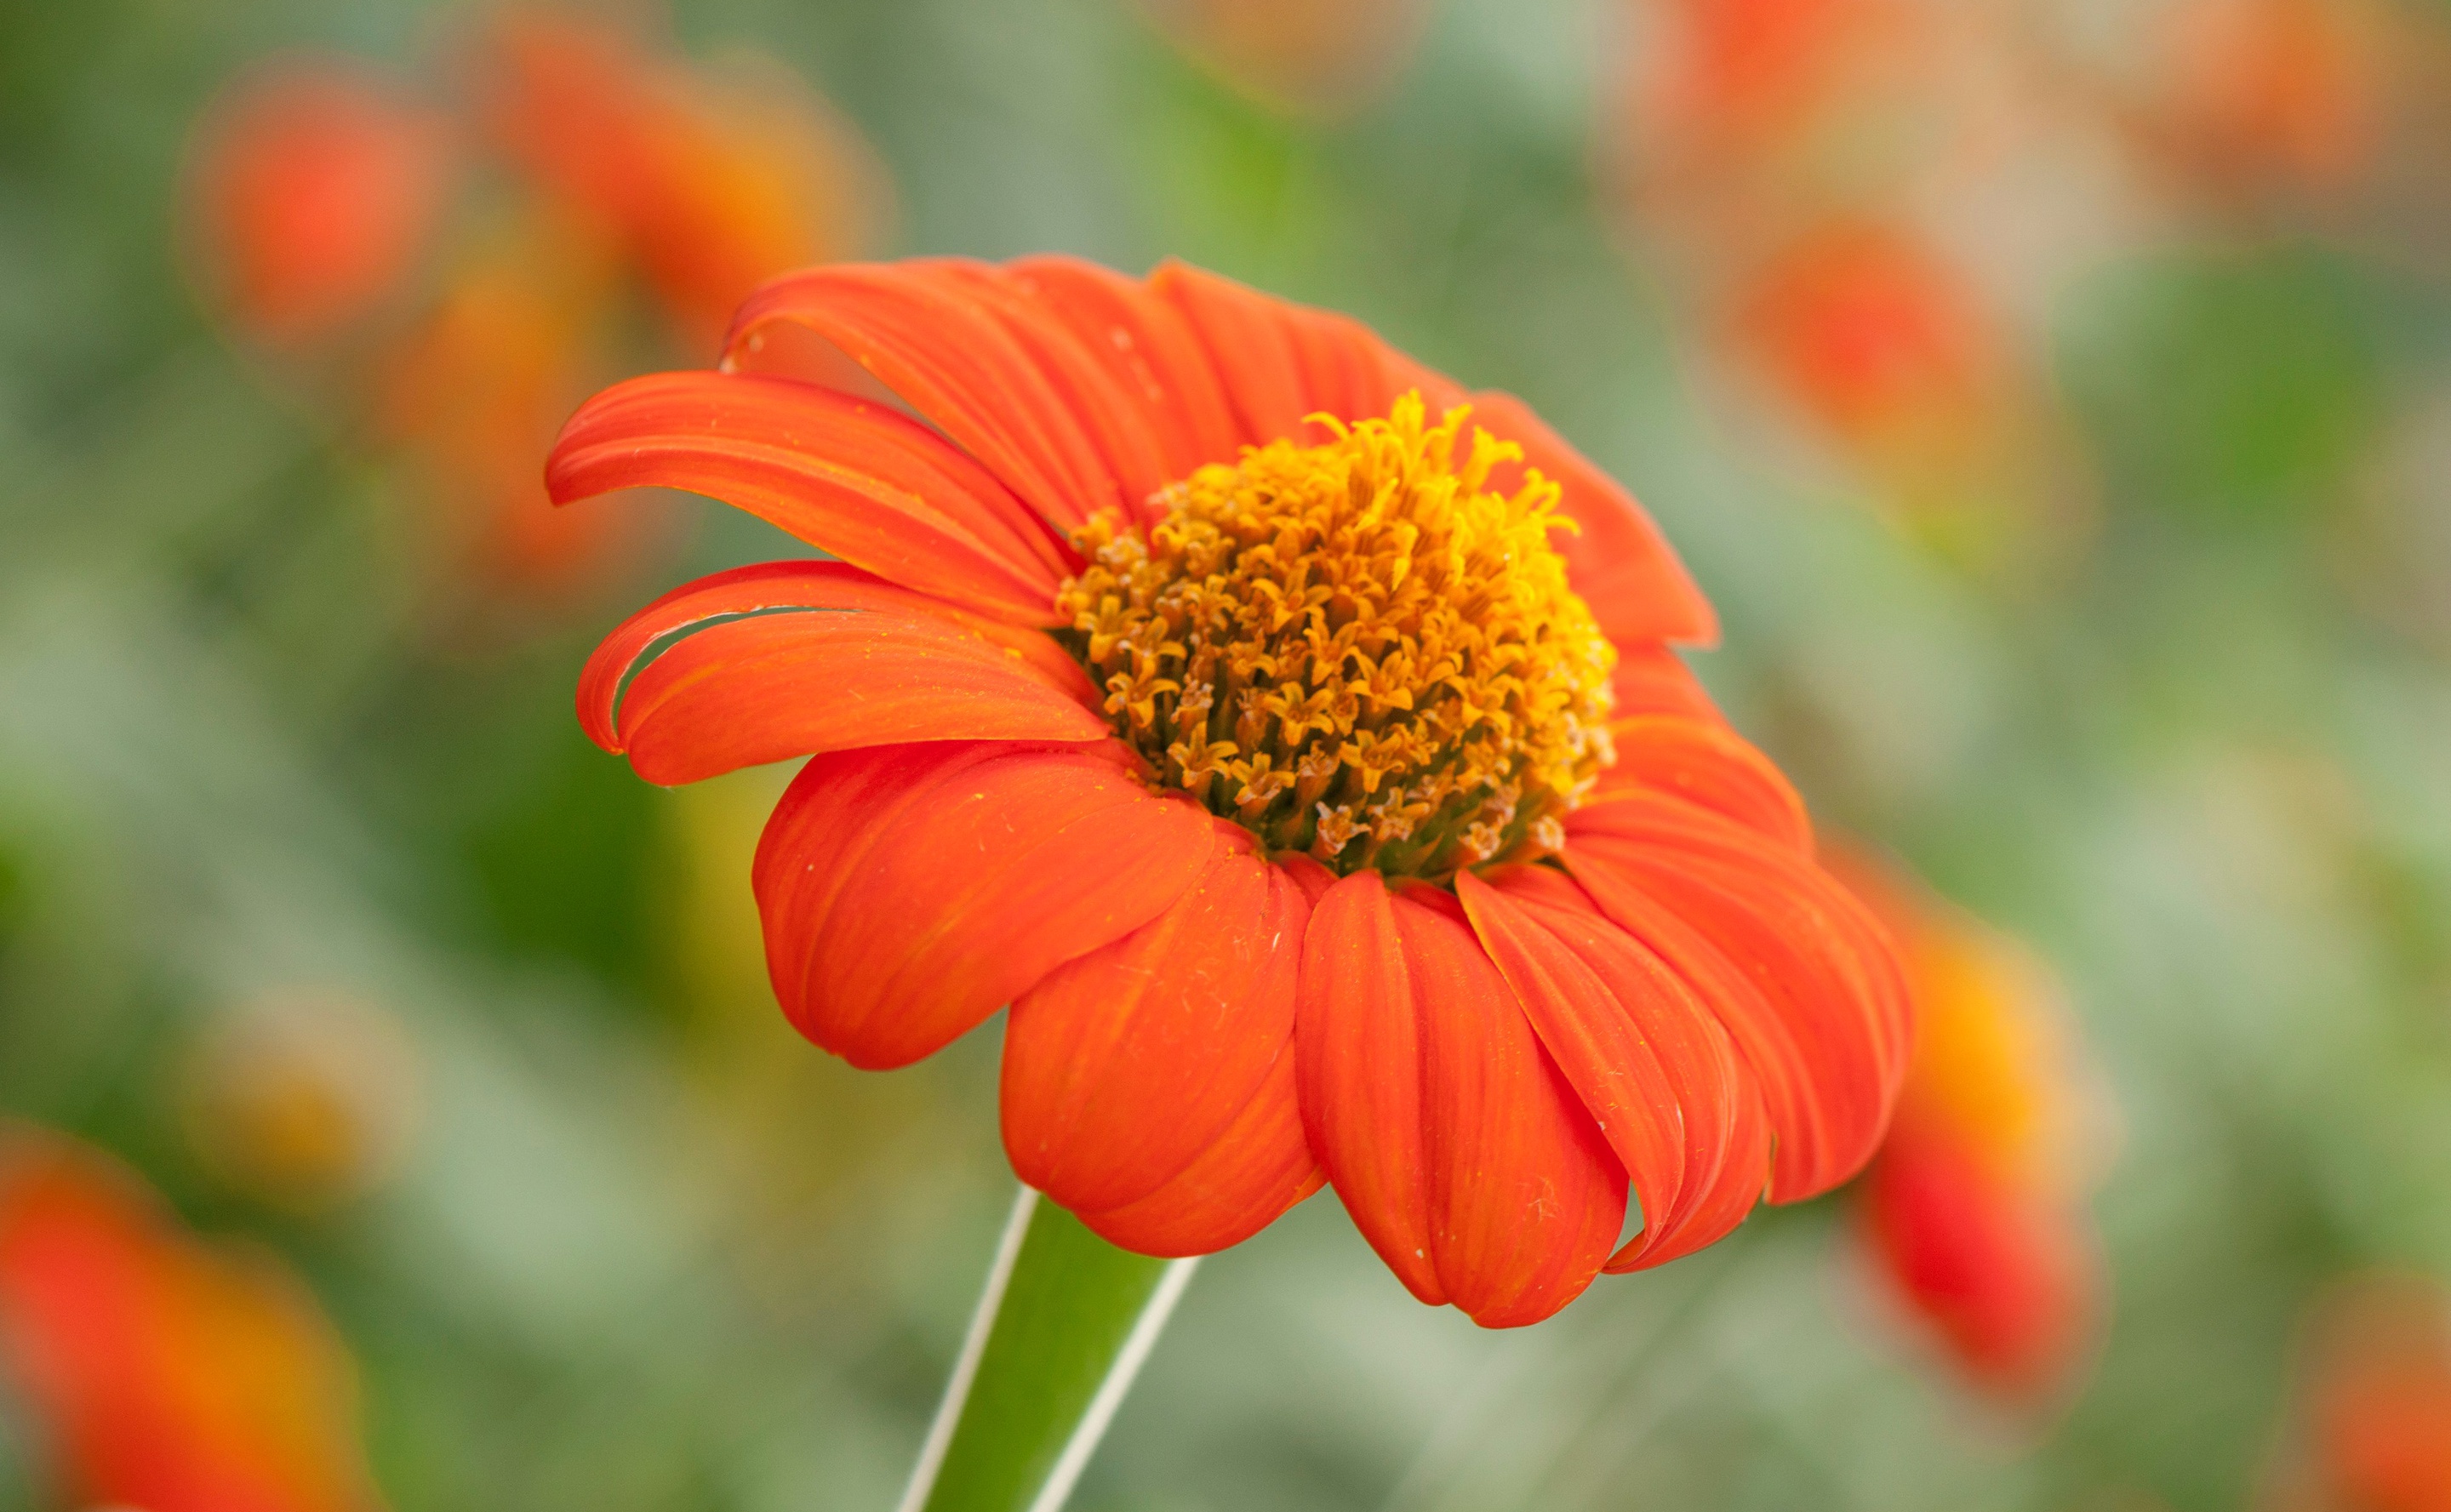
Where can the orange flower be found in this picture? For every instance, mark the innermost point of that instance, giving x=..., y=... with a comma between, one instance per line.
x=1974, y=1206
x=2375, y=1434
x=629, y=175
x=1875, y=337
x=2283, y=89
x=169, y=1375
x=314, y=187
x=1740, y=80
x=710, y=185
x=1203, y=680
x=472, y=395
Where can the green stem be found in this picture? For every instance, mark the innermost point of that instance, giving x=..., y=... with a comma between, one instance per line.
x=1061, y=1328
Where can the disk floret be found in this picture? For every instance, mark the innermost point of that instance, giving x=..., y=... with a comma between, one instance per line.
x=1358, y=649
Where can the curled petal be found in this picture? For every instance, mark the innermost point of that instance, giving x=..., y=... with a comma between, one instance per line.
x=924, y=330
x=1122, y=1066
x=2007, y=1276
x=1616, y=556
x=1652, y=1065
x=909, y=891
x=847, y=475
x=1457, y=1146
x=1806, y=982
x=864, y=663
x=1709, y=765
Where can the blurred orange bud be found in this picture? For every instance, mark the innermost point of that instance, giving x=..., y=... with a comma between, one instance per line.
x=1974, y=1206
x=2285, y=90
x=1322, y=56
x=1739, y=79
x=1868, y=331
x=474, y=394
x=313, y=185
x=2370, y=1427
x=302, y=1100
x=709, y=181
x=164, y=1373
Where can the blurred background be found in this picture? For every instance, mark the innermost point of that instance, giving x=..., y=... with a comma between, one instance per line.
x=2053, y=395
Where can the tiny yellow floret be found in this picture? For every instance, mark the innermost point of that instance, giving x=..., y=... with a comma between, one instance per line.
x=1358, y=649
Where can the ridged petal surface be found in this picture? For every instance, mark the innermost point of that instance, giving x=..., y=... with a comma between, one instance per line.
x=847, y=475
x=1650, y=1063
x=1122, y=1066
x=1455, y=1144
x=909, y=891
x=925, y=330
x=858, y=662
x=1806, y=982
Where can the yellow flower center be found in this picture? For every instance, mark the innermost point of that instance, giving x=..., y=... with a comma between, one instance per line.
x=1358, y=649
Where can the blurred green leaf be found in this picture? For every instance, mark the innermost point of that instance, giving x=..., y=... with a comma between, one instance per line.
x=2227, y=384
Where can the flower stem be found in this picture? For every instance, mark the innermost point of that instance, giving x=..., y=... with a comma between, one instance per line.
x=1063, y=1325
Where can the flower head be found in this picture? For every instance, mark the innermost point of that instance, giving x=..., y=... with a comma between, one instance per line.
x=314, y=188
x=1291, y=737
x=1355, y=650
x=334, y=217
x=1974, y=1206
x=2371, y=1426
x=167, y=1374
x=708, y=180
x=2286, y=93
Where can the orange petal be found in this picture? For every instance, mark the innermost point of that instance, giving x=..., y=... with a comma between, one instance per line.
x=1616, y=558
x=922, y=329
x=1653, y=678
x=1149, y=349
x=1123, y=1064
x=1255, y=1171
x=1280, y=363
x=1454, y=1141
x=770, y=688
x=1650, y=1062
x=2007, y=1277
x=1113, y=413
x=851, y=477
x=1807, y=984
x=909, y=891
x=816, y=585
x=1253, y=355
x=1708, y=764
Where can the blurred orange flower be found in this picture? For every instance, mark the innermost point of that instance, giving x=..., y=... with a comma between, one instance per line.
x=1974, y=1206
x=708, y=182
x=1246, y=856
x=2286, y=90
x=313, y=187
x=473, y=391
x=2373, y=1429
x=1734, y=86
x=1796, y=163
x=1872, y=334
x=632, y=178
x=164, y=1373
